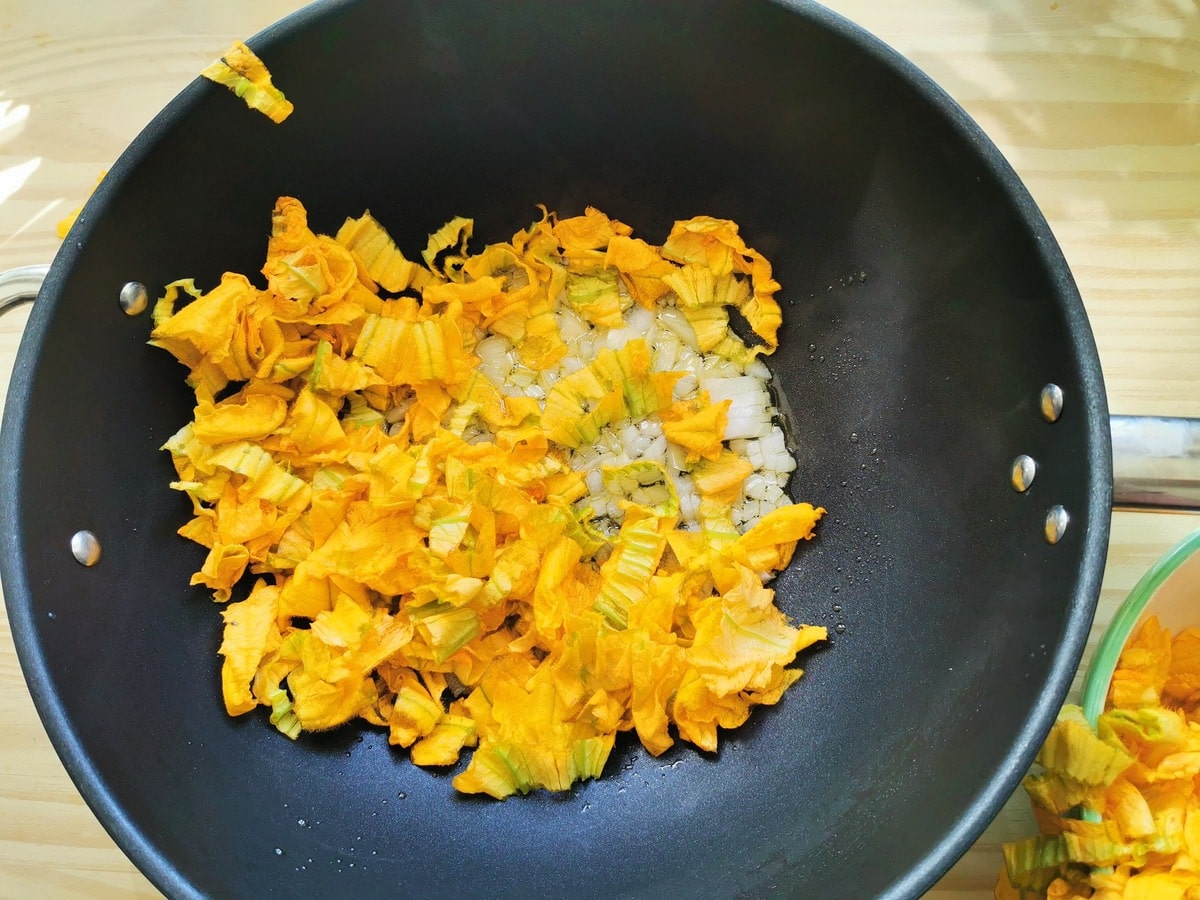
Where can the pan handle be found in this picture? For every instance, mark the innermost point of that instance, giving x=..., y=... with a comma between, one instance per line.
x=1156, y=462
x=20, y=285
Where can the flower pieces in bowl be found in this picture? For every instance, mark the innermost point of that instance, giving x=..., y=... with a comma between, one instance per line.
x=517, y=500
x=1118, y=804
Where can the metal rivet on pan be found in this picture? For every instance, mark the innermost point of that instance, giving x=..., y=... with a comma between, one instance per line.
x=1056, y=523
x=1052, y=401
x=85, y=548
x=1023, y=471
x=134, y=298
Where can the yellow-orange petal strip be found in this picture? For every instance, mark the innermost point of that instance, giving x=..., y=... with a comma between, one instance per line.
x=240, y=70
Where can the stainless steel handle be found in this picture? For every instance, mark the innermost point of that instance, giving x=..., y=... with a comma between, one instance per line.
x=20, y=285
x=1156, y=462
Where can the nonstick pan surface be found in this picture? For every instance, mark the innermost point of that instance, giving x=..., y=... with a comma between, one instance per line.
x=926, y=305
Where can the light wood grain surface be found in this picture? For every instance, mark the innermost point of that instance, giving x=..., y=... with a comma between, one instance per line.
x=1095, y=102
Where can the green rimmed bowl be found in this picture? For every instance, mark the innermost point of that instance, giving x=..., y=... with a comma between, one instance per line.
x=1170, y=589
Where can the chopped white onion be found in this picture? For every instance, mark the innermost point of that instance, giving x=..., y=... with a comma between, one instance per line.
x=677, y=322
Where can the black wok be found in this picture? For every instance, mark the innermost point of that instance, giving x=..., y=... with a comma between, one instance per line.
x=926, y=306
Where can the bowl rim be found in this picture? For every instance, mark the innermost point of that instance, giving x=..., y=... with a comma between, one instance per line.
x=1128, y=616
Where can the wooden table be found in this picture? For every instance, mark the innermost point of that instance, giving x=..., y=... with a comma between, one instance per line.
x=1095, y=102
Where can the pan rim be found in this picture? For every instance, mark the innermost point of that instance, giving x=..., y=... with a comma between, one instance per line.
x=1081, y=611
x=1068, y=651
x=141, y=850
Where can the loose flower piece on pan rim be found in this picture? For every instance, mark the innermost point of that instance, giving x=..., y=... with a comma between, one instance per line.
x=421, y=553
x=1118, y=805
x=240, y=70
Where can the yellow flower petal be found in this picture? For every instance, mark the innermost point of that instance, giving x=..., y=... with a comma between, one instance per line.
x=250, y=634
x=239, y=419
x=204, y=328
x=382, y=258
x=240, y=70
x=697, y=427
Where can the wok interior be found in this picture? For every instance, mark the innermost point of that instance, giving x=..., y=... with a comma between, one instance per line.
x=919, y=315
